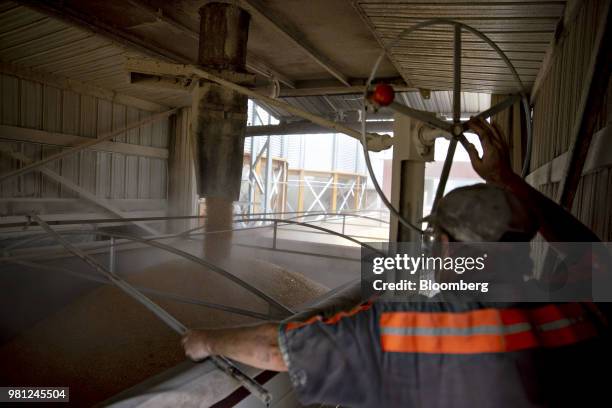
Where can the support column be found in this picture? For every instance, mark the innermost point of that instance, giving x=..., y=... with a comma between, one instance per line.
x=408, y=178
x=220, y=118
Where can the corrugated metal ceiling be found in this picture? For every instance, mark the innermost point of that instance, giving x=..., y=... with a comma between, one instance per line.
x=42, y=43
x=522, y=29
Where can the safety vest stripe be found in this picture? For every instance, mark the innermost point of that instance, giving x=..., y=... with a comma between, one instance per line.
x=455, y=344
x=330, y=320
x=458, y=320
x=475, y=332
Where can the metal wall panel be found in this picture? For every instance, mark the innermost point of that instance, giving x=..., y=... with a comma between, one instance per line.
x=294, y=152
x=33, y=105
x=554, y=112
x=346, y=159
x=555, y=115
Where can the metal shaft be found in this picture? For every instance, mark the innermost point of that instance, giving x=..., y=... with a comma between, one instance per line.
x=448, y=162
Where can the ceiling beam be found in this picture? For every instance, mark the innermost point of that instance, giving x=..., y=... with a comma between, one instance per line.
x=265, y=18
x=155, y=73
x=67, y=14
x=330, y=87
x=59, y=10
x=254, y=62
x=303, y=128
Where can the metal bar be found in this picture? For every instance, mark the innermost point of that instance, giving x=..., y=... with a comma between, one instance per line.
x=39, y=236
x=274, y=234
x=457, y=76
x=591, y=100
x=233, y=371
x=82, y=146
x=346, y=196
x=529, y=142
x=317, y=197
x=259, y=154
x=448, y=162
x=83, y=193
x=426, y=117
x=332, y=232
x=253, y=62
x=205, y=263
x=111, y=256
x=114, y=278
x=251, y=203
x=267, y=192
x=154, y=292
x=343, y=222
x=260, y=12
x=374, y=142
x=190, y=257
x=494, y=110
x=25, y=224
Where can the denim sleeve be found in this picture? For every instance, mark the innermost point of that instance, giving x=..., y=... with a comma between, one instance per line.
x=335, y=360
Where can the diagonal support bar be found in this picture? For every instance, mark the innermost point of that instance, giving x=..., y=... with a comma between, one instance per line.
x=260, y=12
x=76, y=188
x=375, y=142
x=88, y=144
x=494, y=110
x=426, y=117
x=222, y=363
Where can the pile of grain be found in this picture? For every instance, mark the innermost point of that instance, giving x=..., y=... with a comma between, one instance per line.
x=104, y=342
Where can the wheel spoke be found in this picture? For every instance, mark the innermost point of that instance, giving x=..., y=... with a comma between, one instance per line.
x=494, y=110
x=427, y=117
x=457, y=76
x=448, y=162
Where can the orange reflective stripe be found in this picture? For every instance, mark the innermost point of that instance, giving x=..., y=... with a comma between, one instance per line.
x=451, y=344
x=485, y=330
x=458, y=320
x=330, y=320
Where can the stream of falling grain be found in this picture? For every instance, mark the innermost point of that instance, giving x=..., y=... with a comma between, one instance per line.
x=219, y=218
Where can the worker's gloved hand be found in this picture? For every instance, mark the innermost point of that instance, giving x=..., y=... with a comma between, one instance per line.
x=494, y=166
x=195, y=343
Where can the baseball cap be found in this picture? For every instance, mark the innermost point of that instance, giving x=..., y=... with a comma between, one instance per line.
x=484, y=213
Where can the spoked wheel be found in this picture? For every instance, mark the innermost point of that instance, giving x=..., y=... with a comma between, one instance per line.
x=457, y=127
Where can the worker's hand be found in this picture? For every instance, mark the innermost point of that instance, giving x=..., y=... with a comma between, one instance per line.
x=196, y=345
x=494, y=166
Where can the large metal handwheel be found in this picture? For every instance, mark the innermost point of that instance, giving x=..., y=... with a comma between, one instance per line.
x=456, y=128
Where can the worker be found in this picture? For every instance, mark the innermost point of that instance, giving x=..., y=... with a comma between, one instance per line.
x=444, y=354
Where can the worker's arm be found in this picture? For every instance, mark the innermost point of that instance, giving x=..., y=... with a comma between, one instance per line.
x=256, y=346
x=556, y=224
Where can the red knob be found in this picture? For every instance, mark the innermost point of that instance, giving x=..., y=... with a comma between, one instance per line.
x=383, y=94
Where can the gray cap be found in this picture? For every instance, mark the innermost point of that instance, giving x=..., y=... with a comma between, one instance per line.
x=483, y=213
